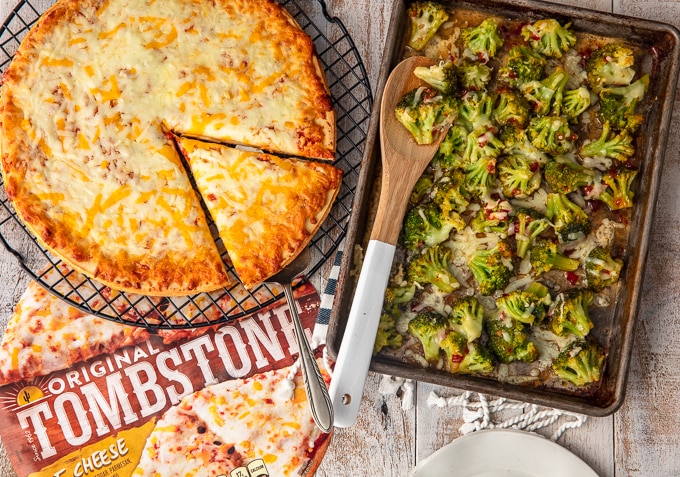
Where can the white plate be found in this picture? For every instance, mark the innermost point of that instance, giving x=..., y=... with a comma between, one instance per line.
x=502, y=453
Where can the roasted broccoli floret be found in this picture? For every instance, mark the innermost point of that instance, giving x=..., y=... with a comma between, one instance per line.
x=569, y=220
x=612, y=64
x=425, y=18
x=565, y=176
x=425, y=112
x=427, y=225
x=548, y=37
x=511, y=137
x=516, y=141
x=421, y=189
x=430, y=329
x=455, y=346
x=481, y=150
x=387, y=335
x=432, y=266
x=546, y=96
x=519, y=176
x=511, y=108
x=476, y=110
x=450, y=152
x=525, y=305
x=551, y=134
x=480, y=175
x=575, y=102
x=442, y=76
x=601, y=269
x=473, y=76
x=467, y=317
x=490, y=270
x=449, y=194
x=579, y=363
x=482, y=41
x=481, y=223
x=529, y=224
x=619, y=193
x=523, y=65
x=545, y=256
x=482, y=143
x=569, y=315
x=396, y=295
x=614, y=146
x=618, y=105
x=477, y=360
x=493, y=217
x=508, y=340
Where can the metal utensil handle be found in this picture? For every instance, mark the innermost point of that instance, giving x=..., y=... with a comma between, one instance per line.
x=320, y=403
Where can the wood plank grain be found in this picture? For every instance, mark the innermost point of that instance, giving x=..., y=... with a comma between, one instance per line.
x=367, y=24
x=646, y=437
x=647, y=424
x=381, y=442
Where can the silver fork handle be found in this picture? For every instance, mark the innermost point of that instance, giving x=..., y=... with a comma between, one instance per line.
x=320, y=403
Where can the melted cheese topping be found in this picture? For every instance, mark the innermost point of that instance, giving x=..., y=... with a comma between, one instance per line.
x=45, y=334
x=266, y=208
x=96, y=89
x=250, y=415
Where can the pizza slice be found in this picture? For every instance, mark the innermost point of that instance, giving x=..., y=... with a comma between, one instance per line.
x=266, y=208
x=45, y=334
x=181, y=445
x=255, y=421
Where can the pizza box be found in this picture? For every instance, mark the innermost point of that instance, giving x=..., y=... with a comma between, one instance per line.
x=105, y=415
x=615, y=324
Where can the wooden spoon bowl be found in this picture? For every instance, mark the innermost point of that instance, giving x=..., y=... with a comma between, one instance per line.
x=403, y=160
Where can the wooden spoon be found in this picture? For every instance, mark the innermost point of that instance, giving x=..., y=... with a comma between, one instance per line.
x=403, y=162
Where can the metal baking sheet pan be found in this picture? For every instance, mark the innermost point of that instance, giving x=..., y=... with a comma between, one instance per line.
x=615, y=323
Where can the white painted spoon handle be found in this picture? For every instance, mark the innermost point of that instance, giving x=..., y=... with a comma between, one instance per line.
x=356, y=350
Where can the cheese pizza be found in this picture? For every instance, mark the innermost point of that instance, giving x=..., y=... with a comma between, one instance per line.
x=86, y=107
x=239, y=423
x=266, y=208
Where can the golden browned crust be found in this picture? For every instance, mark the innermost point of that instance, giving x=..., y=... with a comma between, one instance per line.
x=326, y=148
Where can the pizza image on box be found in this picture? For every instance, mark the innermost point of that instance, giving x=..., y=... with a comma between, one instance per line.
x=261, y=424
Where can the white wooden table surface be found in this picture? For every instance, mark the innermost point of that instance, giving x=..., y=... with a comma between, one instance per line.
x=641, y=439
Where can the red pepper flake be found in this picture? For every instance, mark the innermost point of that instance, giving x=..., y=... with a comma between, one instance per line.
x=571, y=277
